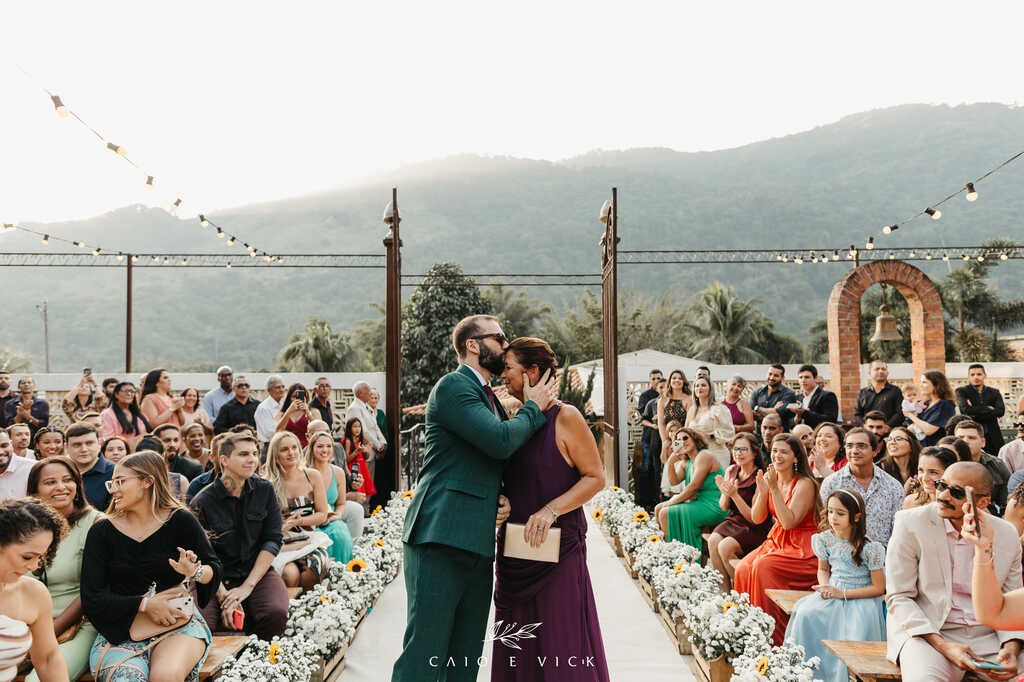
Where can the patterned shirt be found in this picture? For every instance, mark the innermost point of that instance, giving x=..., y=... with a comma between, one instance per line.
x=883, y=498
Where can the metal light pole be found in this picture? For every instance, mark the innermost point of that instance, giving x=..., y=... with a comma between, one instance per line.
x=44, y=309
x=393, y=334
x=128, y=317
x=610, y=334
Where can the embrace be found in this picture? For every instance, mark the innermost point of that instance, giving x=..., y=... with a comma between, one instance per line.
x=536, y=469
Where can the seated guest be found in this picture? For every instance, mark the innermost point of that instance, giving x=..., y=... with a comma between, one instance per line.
x=84, y=452
x=828, y=455
x=295, y=413
x=357, y=450
x=1012, y=453
x=806, y=435
x=739, y=408
x=813, y=405
x=934, y=632
x=177, y=482
x=738, y=535
x=883, y=495
x=874, y=421
x=57, y=482
x=937, y=398
x=32, y=411
x=354, y=514
x=671, y=429
x=158, y=405
x=982, y=404
x=48, y=442
x=207, y=477
x=320, y=456
x=712, y=420
x=302, y=496
x=902, y=451
x=973, y=434
x=682, y=516
x=771, y=426
x=193, y=413
x=786, y=561
x=147, y=537
x=114, y=449
x=240, y=409
x=194, y=439
x=847, y=604
x=241, y=514
x=931, y=464
x=14, y=472
x=21, y=440
x=30, y=532
x=957, y=447
x=123, y=417
x=170, y=436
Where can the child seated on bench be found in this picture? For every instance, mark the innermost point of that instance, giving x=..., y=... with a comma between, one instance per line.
x=847, y=604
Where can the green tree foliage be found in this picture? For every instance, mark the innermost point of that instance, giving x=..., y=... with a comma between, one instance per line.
x=318, y=348
x=520, y=314
x=370, y=337
x=723, y=329
x=439, y=302
x=578, y=397
x=14, y=362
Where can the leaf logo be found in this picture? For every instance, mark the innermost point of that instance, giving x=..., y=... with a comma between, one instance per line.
x=507, y=634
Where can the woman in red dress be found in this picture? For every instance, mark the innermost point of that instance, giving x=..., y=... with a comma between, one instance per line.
x=357, y=448
x=785, y=561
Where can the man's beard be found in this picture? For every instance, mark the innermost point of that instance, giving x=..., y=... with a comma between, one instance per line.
x=491, y=361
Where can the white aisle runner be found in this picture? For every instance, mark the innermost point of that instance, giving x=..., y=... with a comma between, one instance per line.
x=635, y=644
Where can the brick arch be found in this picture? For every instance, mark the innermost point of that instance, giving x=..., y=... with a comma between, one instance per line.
x=927, y=334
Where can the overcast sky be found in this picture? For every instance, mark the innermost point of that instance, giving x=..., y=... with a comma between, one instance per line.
x=228, y=103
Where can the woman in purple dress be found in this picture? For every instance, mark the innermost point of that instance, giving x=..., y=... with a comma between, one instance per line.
x=547, y=481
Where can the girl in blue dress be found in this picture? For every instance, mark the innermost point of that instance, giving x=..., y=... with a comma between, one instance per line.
x=847, y=603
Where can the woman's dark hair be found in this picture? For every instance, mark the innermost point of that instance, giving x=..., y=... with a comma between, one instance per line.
x=22, y=518
x=888, y=463
x=127, y=447
x=854, y=504
x=711, y=393
x=79, y=503
x=950, y=426
x=700, y=441
x=946, y=456
x=755, y=447
x=803, y=467
x=42, y=431
x=530, y=351
x=836, y=429
x=128, y=426
x=348, y=430
x=199, y=402
x=962, y=449
x=78, y=404
x=149, y=382
x=287, y=402
x=940, y=384
x=668, y=383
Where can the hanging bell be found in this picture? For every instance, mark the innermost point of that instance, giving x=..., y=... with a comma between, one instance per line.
x=885, y=326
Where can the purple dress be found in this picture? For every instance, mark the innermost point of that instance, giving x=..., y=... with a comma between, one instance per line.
x=567, y=646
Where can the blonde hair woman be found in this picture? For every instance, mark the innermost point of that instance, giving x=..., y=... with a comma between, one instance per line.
x=303, y=499
x=320, y=456
x=147, y=543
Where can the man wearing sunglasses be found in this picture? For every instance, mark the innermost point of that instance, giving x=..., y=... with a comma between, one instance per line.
x=932, y=631
x=449, y=528
x=238, y=410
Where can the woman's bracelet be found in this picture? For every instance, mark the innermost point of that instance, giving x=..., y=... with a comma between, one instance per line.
x=553, y=512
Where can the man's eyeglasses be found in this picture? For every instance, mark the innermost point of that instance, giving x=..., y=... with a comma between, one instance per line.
x=115, y=484
x=500, y=338
x=858, y=446
x=956, y=492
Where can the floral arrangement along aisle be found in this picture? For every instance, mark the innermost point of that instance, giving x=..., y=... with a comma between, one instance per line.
x=781, y=664
x=322, y=621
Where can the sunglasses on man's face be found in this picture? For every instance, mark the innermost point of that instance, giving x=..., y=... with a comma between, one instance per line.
x=956, y=492
x=243, y=385
x=500, y=338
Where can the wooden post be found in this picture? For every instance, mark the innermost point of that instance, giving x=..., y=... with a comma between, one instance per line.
x=393, y=335
x=610, y=336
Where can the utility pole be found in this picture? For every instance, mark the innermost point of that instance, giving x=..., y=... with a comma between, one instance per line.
x=44, y=309
x=128, y=317
x=609, y=330
x=393, y=335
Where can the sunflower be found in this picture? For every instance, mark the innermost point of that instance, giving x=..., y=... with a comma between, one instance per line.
x=325, y=600
x=616, y=488
x=407, y=494
x=356, y=565
x=380, y=543
x=275, y=649
x=762, y=666
x=728, y=605
x=640, y=517
x=654, y=538
x=678, y=568
x=374, y=512
x=598, y=514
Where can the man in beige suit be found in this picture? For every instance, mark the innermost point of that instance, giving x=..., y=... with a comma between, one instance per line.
x=932, y=632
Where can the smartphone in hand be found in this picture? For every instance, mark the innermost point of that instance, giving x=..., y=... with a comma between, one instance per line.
x=974, y=510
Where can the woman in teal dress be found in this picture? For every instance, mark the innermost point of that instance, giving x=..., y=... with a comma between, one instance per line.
x=320, y=456
x=683, y=515
x=56, y=482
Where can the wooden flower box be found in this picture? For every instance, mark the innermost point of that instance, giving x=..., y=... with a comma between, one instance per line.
x=649, y=593
x=677, y=632
x=627, y=559
x=711, y=671
x=618, y=546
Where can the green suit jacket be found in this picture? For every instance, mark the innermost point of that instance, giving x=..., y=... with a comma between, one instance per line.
x=466, y=449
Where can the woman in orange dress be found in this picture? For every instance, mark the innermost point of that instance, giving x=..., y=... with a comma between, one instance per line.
x=785, y=561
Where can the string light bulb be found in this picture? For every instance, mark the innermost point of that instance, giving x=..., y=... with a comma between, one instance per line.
x=785, y=258
x=945, y=257
x=231, y=241
x=156, y=259
x=814, y=258
x=892, y=255
x=252, y=253
x=889, y=229
x=972, y=194
x=871, y=243
x=835, y=255
x=120, y=256
x=266, y=257
x=135, y=258
x=928, y=256
x=227, y=266
x=79, y=244
x=166, y=260
x=96, y=251
x=46, y=239
x=203, y=222
x=61, y=110
x=965, y=257
x=910, y=255
x=799, y=260
x=935, y=214
x=981, y=258
x=220, y=233
x=778, y=257
x=184, y=261
x=8, y=226
x=1003, y=256
x=149, y=182
x=117, y=149
x=175, y=205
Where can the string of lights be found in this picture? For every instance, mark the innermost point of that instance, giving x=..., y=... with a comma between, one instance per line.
x=76, y=259
x=820, y=256
x=64, y=111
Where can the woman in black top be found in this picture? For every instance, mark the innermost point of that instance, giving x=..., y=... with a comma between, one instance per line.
x=147, y=540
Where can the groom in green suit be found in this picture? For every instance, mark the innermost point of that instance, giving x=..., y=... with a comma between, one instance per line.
x=449, y=529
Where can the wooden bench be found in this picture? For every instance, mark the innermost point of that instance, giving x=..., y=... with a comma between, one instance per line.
x=866, y=661
x=787, y=599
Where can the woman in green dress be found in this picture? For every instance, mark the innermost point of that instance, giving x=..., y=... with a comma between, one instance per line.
x=56, y=481
x=320, y=456
x=683, y=515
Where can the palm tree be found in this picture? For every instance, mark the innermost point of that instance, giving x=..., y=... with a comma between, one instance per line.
x=722, y=328
x=318, y=349
x=14, y=362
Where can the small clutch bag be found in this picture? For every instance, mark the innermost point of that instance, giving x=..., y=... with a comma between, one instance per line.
x=143, y=626
x=516, y=546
